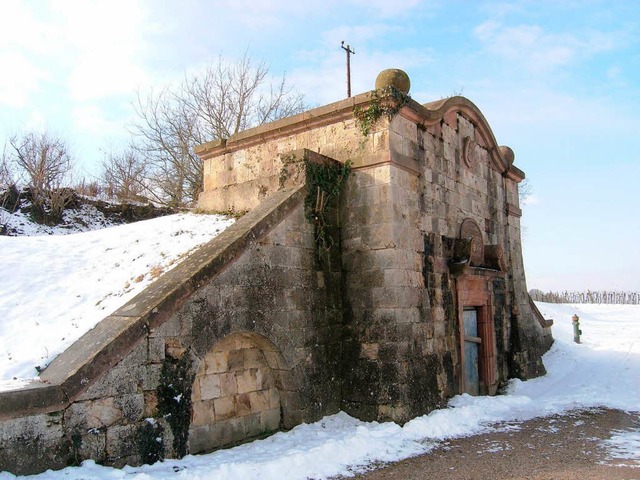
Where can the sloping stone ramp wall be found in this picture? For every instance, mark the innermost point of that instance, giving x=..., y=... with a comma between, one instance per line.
x=239, y=340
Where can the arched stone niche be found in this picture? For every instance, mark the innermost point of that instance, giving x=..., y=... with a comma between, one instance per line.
x=236, y=393
x=469, y=229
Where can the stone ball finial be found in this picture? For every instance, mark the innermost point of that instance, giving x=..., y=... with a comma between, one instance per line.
x=507, y=154
x=393, y=77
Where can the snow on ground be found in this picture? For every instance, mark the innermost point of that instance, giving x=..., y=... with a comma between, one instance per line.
x=55, y=288
x=603, y=371
x=625, y=445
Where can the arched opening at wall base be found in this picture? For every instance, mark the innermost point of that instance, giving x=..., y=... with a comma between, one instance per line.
x=238, y=393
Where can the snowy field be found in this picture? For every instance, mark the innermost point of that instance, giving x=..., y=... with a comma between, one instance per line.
x=602, y=371
x=57, y=287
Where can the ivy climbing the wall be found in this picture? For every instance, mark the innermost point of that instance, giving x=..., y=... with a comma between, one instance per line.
x=325, y=181
x=386, y=101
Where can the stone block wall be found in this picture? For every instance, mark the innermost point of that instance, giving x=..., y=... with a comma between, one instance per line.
x=280, y=290
x=391, y=367
x=234, y=387
x=401, y=221
x=241, y=171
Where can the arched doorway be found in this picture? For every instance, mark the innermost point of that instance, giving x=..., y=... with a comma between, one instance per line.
x=235, y=394
x=475, y=266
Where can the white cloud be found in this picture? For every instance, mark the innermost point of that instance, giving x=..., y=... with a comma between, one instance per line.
x=388, y=9
x=95, y=78
x=36, y=121
x=266, y=15
x=529, y=200
x=616, y=76
x=20, y=79
x=91, y=119
x=528, y=45
x=356, y=34
x=105, y=42
x=487, y=30
x=596, y=279
x=94, y=47
x=20, y=29
x=537, y=50
x=541, y=109
x=22, y=36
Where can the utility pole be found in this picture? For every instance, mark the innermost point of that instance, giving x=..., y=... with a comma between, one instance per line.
x=349, y=52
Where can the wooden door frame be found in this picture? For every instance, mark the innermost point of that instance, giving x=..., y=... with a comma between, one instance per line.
x=474, y=291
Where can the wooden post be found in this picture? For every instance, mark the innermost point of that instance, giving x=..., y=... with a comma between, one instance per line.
x=349, y=52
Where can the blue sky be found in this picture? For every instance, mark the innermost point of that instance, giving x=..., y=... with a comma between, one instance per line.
x=557, y=80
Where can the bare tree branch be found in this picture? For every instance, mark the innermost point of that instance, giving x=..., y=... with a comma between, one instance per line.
x=223, y=100
x=6, y=173
x=124, y=174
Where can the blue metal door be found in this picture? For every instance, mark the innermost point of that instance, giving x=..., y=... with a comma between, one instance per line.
x=471, y=350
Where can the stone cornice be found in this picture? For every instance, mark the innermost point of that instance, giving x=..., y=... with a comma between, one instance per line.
x=426, y=115
x=314, y=118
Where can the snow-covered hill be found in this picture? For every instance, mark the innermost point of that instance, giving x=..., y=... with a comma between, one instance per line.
x=57, y=287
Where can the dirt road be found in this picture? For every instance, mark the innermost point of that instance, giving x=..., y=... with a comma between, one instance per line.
x=552, y=448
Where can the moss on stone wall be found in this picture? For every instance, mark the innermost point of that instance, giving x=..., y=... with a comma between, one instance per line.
x=447, y=365
x=423, y=391
x=448, y=305
x=174, y=399
x=385, y=102
x=427, y=268
x=499, y=313
x=500, y=322
x=151, y=442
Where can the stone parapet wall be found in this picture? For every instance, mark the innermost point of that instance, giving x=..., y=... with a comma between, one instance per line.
x=241, y=171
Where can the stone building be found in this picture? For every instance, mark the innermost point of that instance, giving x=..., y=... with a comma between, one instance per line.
x=378, y=270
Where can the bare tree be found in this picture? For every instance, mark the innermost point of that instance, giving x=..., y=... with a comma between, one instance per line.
x=223, y=100
x=165, y=134
x=6, y=174
x=229, y=98
x=588, y=296
x=525, y=191
x=124, y=174
x=45, y=162
x=7, y=190
x=89, y=188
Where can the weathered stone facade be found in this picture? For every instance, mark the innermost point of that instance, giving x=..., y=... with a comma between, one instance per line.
x=423, y=180
x=267, y=326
